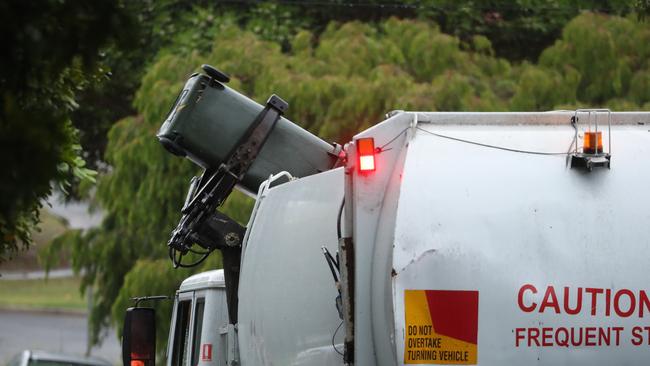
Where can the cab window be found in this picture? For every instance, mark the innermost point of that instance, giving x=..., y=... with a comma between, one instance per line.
x=181, y=333
x=198, y=326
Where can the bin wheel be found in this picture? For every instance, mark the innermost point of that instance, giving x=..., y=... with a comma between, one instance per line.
x=215, y=74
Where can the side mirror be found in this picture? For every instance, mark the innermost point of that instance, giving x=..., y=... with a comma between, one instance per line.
x=139, y=337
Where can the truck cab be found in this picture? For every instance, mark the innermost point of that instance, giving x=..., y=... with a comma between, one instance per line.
x=199, y=326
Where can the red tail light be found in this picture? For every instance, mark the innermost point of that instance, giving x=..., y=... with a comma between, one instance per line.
x=366, y=152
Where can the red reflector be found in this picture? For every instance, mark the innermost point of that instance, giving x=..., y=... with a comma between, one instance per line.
x=366, y=152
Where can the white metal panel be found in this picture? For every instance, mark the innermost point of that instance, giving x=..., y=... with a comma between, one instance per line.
x=471, y=218
x=287, y=313
x=374, y=200
x=170, y=339
x=215, y=317
x=203, y=280
x=528, y=118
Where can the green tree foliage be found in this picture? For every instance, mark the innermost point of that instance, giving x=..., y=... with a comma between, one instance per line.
x=539, y=88
x=517, y=29
x=151, y=278
x=53, y=54
x=609, y=53
x=141, y=195
x=337, y=83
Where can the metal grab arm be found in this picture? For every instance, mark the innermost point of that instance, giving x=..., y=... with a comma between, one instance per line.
x=210, y=191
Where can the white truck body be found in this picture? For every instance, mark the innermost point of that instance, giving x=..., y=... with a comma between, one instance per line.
x=475, y=243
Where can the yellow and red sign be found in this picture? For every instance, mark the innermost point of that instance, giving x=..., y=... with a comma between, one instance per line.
x=441, y=327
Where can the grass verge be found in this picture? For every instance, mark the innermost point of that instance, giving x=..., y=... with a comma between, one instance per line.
x=52, y=294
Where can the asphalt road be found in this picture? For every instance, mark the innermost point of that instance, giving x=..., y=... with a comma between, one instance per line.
x=65, y=333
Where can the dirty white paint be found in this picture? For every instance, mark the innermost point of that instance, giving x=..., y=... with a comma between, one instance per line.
x=287, y=313
x=446, y=217
x=472, y=218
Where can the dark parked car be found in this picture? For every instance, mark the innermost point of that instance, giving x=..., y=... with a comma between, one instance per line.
x=42, y=358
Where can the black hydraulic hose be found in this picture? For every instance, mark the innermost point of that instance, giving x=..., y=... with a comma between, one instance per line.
x=338, y=219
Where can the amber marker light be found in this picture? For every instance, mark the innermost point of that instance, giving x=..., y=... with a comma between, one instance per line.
x=593, y=143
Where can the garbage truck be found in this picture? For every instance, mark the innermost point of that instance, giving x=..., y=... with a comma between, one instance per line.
x=431, y=238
